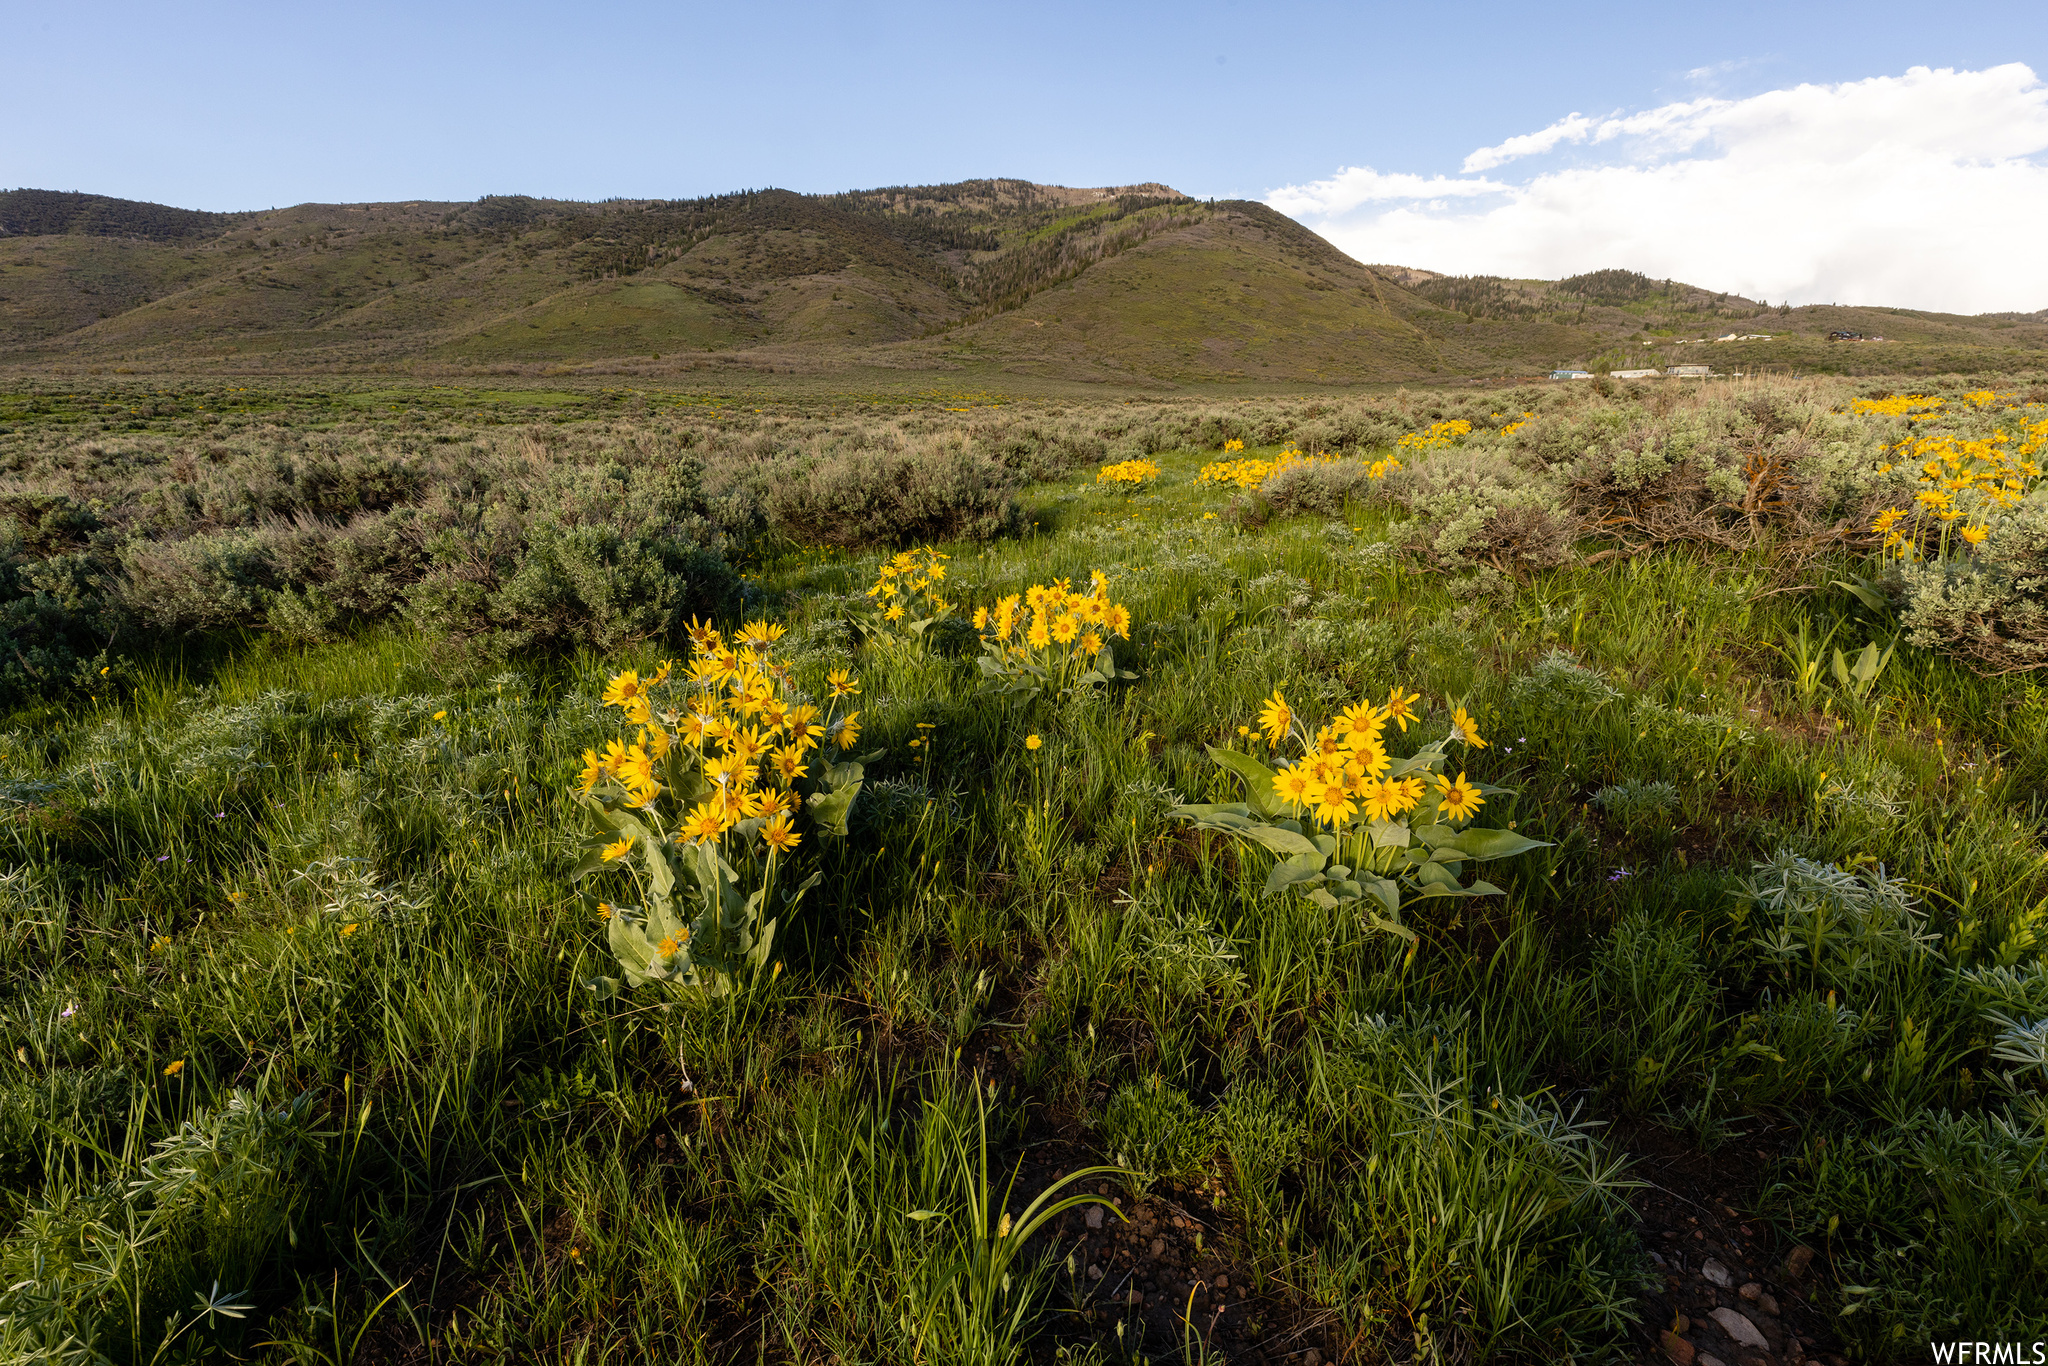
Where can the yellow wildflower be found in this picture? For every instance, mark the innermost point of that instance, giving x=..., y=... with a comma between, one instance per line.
x=1460, y=798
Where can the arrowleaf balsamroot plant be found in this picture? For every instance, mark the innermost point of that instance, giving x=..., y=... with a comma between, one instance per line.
x=1361, y=830
x=730, y=770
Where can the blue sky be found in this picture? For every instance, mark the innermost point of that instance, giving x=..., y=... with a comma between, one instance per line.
x=238, y=105
x=232, y=105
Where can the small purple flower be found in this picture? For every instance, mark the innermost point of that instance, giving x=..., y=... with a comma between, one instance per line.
x=163, y=858
x=67, y=1012
x=1617, y=875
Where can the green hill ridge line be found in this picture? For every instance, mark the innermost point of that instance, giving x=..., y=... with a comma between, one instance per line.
x=1135, y=283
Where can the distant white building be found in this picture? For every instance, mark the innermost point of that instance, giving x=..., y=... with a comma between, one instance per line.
x=1637, y=374
x=1690, y=371
x=1571, y=374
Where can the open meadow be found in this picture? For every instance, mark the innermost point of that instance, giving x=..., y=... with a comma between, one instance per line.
x=606, y=875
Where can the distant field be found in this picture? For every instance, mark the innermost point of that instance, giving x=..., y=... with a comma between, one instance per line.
x=319, y=1031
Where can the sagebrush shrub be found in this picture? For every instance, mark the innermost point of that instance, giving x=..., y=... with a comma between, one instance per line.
x=929, y=491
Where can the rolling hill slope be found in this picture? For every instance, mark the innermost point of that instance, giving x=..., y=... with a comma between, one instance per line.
x=1135, y=282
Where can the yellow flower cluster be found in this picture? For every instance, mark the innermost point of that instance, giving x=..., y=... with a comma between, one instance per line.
x=1343, y=768
x=1437, y=435
x=1052, y=623
x=732, y=729
x=1128, y=472
x=1232, y=446
x=1249, y=473
x=1960, y=477
x=908, y=586
x=1916, y=407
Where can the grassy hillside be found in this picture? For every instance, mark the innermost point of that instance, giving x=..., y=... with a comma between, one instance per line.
x=1136, y=283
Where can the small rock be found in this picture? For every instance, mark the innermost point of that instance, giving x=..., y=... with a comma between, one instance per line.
x=1796, y=1262
x=1314, y=1358
x=1708, y=1359
x=1223, y=1282
x=1137, y=1298
x=1095, y=1273
x=1717, y=1273
x=1750, y=1290
x=1677, y=1348
x=1767, y=1304
x=1094, y=1217
x=1739, y=1329
x=1158, y=1246
x=1656, y=1258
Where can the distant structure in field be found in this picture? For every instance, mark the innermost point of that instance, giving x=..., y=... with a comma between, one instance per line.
x=1852, y=336
x=1571, y=374
x=1746, y=336
x=1690, y=371
x=1635, y=374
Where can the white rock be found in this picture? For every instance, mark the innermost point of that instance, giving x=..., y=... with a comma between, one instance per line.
x=1093, y=1218
x=1739, y=1328
x=1718, y=1274
x=1707, y=1359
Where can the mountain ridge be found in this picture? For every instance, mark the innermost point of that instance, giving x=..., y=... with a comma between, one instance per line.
x=1134, y=282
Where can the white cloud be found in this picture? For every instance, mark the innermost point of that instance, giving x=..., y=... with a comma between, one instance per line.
x=1925, y=190
x=1570, y=128
x=1358, y=185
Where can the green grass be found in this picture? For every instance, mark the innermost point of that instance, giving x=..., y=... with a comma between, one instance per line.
x=288, y=872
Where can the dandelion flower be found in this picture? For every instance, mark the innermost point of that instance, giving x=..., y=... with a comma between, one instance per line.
x=618, y=849
x=173, y=1069
x=1032, y=742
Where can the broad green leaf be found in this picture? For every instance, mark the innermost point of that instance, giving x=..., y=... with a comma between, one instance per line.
x=1388, y=894
x=1300, y=868
x=1415, y=763
x=1258, y=780
x=1280, y=841
x=1435, y=875
x=1485, y=845
x=1388, y=835
x=831, y=812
